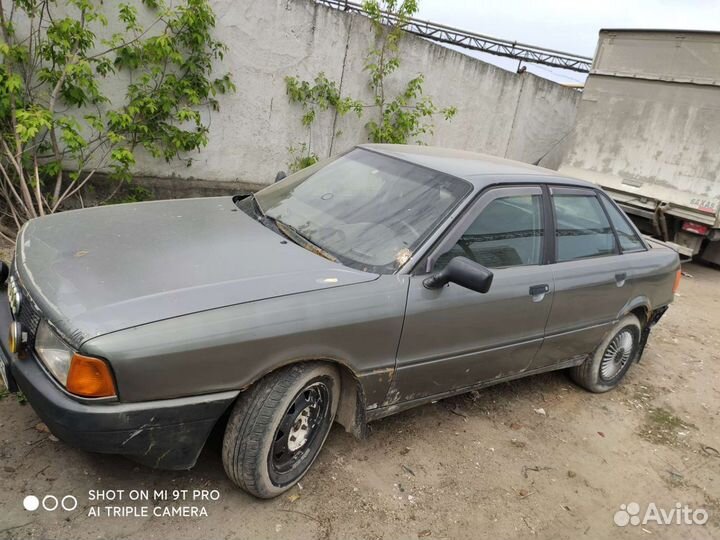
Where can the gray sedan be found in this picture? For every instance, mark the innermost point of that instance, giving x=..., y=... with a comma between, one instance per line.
x=380, y=280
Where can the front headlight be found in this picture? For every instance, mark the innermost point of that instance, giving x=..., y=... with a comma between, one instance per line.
x=53, y=352
x=83, y=376
x=14, y=296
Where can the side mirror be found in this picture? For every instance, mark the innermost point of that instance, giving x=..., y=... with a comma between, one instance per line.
x=464, y=272
x=280, y=175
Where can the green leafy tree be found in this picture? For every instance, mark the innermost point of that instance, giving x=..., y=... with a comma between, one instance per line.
x=399, y=119
x=320, y=95
x=58, y=127
x=409, y=114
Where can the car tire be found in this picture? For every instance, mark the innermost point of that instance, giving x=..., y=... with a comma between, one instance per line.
x=607, y=366
x=278, y=426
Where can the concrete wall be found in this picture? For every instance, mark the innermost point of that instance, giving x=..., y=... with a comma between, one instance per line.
x=518, y=116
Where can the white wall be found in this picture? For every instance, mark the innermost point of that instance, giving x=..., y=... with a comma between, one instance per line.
x=519, y=116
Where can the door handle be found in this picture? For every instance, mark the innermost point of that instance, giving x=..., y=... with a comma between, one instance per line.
x=620, y=278
x=538, y=292
x=539, y=289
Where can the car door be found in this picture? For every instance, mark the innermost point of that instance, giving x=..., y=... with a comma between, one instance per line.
x=593, y=280
x=453, y=337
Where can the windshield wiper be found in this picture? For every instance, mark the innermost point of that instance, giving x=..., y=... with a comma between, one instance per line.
x=299, y=238
x=288, y=231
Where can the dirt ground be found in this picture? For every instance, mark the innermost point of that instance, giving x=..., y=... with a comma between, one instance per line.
x=487, y=464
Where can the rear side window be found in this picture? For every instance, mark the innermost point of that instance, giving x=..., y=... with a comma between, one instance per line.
x=629, y=240
x=583, y=230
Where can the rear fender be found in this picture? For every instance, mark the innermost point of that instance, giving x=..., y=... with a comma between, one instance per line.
x=639, y=302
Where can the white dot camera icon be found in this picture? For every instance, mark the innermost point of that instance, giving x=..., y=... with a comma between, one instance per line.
x=31, y=503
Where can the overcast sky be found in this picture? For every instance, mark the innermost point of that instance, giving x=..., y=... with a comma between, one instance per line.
x=566, y=25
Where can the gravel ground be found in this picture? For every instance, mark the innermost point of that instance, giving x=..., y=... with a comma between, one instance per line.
x=537, y=457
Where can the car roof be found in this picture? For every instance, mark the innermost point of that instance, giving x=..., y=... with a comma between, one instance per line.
x=479, y=169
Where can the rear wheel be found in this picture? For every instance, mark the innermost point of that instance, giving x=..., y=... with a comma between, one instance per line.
x=277, y=428
x=612, y=359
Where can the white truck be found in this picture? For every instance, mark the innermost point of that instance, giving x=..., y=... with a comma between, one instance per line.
x=648, y=132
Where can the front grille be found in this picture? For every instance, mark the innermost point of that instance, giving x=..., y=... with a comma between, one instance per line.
x=29, y=317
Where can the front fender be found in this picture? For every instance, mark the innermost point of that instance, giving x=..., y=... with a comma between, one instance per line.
x=230, y=348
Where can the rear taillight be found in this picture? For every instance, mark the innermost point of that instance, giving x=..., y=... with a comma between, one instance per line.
x=695, y=228
x=678, y=277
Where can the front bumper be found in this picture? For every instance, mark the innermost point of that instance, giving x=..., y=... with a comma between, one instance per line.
x=165, y=434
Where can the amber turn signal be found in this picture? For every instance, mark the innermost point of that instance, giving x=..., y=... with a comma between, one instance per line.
x=90, y=377
x=678, y=277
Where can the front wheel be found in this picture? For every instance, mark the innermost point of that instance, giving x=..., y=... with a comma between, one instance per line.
x=278, y=426
x=612, y=359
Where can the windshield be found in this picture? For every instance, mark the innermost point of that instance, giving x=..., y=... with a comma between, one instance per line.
x=368, y=210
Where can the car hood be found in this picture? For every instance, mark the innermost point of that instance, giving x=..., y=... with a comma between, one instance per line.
x=104, y=269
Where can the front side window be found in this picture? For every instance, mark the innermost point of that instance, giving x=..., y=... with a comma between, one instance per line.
x=368, y=210
x=582, y=228
x=507, y=232
x=629, y=240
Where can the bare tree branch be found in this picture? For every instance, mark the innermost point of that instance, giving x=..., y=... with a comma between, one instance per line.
x=38, y=195
x=9, y=183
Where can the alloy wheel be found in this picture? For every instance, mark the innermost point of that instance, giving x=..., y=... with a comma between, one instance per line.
x=619, y=352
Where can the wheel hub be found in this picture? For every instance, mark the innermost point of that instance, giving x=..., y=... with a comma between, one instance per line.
x=300, y=429
x=617, y=355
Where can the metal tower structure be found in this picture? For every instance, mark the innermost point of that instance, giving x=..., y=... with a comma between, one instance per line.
x=477, y=42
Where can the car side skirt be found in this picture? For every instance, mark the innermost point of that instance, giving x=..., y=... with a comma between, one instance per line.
x=382, y=412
